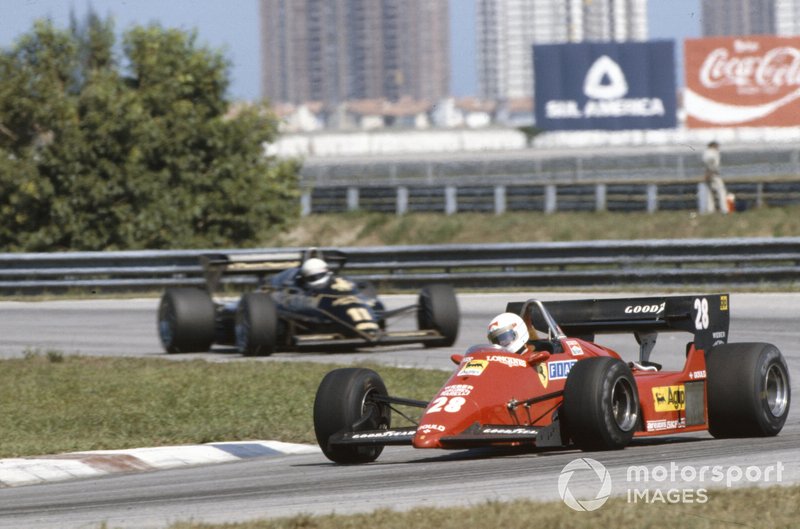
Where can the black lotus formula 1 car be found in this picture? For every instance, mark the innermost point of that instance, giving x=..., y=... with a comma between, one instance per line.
x=286, y=314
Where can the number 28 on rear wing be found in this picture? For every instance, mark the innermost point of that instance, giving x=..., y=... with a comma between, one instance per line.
x=707, y=317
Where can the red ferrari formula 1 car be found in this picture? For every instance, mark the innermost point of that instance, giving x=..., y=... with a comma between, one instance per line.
x=567, y=389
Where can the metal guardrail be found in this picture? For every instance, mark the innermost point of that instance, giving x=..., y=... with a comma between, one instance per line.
x=660, y=263
x=492, y=196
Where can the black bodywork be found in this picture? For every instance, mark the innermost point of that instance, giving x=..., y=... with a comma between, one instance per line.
x=290, y=315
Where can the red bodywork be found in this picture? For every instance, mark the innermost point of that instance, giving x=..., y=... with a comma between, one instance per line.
x=489, y=381
x=495, y=397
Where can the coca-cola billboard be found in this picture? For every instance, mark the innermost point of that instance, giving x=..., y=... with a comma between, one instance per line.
x=749, y=81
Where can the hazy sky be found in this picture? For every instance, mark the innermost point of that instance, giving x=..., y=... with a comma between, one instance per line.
x=232, y=25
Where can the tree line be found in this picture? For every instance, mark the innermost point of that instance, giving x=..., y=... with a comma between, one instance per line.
x=136, y=146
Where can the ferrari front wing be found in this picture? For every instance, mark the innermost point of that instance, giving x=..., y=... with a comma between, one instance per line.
x=476, y=435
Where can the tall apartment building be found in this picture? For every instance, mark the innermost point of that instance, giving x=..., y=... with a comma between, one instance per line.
x=507, y=30
x=340, y=50
x=751, y=17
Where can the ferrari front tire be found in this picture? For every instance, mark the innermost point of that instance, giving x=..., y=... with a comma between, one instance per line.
x=345, y=403
x=748, y=390
x=601, y=404
x=186, y=320
x=256, y=325
x=437, y=309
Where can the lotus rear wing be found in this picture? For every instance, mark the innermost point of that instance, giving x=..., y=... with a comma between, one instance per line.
x=707, y=317
x=261, y=264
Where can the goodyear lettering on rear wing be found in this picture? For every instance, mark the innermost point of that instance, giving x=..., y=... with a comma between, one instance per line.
x=656, y=308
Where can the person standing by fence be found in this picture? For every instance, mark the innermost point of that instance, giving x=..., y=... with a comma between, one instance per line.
x=716, y=193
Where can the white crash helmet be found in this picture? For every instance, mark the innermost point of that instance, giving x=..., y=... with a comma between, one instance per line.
x=315, y=272
x=509, y=331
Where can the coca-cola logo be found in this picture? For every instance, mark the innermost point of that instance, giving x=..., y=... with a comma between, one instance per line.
x=774, y=70
x=749, y=81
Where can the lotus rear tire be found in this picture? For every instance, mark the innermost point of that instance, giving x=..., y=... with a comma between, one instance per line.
x=601, y=404
x=256, y=325
x=438, y=310
x=749, y=391
x=186, y=319
x=344, y=403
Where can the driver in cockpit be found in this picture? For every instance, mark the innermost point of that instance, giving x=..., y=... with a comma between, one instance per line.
x=510, y=331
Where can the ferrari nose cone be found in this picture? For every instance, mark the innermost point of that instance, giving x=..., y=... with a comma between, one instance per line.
x=427, y=436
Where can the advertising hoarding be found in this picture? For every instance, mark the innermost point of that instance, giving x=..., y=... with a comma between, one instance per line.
x=605, y=85
x=751, y=81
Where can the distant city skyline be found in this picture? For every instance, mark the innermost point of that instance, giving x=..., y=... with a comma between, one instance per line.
x=233, y=27
x=343, y=50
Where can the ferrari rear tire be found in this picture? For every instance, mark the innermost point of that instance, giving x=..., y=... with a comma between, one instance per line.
x=601, y=404
x=345, y=403
x=748, y=390
x=186, y=320
x=438, y=310
x=256, y=326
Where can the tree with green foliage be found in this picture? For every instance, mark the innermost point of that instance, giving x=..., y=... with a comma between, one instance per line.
x=146, y=152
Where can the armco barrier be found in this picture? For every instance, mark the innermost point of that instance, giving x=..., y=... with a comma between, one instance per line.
x=493, y=196
x=660, y=263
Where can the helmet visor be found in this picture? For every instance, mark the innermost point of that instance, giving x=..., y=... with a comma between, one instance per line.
x=313, y=278
x=503, y=337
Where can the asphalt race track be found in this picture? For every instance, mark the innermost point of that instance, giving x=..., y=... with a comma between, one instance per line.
x=402, y=477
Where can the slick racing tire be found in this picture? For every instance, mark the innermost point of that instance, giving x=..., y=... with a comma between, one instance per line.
x=344, y=403
x=748, y=390
x=256, y=326
x=437, y=309
x=601, y=404
x=186, y=320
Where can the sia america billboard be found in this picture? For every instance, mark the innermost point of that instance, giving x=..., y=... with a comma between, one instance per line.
x=608, y=85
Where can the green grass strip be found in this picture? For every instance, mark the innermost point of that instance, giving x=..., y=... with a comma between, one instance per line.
x=51, y=403
x=773, y=507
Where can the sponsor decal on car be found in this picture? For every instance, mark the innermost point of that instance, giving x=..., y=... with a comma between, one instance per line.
x=508, y=360
x=694, y=375
x=559, y=369
x=383, y=435
x=574, y=348
x=473, y=368
x=346, y=300
x=541, y=370
x=510, y=431
x=669, y=398
x=723, y=303
x=456, y=390
x=645, y=309
x=342, y=285
x=427, y=428
x=664, y=424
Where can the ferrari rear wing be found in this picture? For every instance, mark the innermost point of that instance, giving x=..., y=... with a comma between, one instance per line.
x=707, y=317
x=261, y=264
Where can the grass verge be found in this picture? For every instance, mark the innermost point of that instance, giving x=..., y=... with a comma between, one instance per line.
x=773, y=507
x=367, y=229
x=52, y=403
